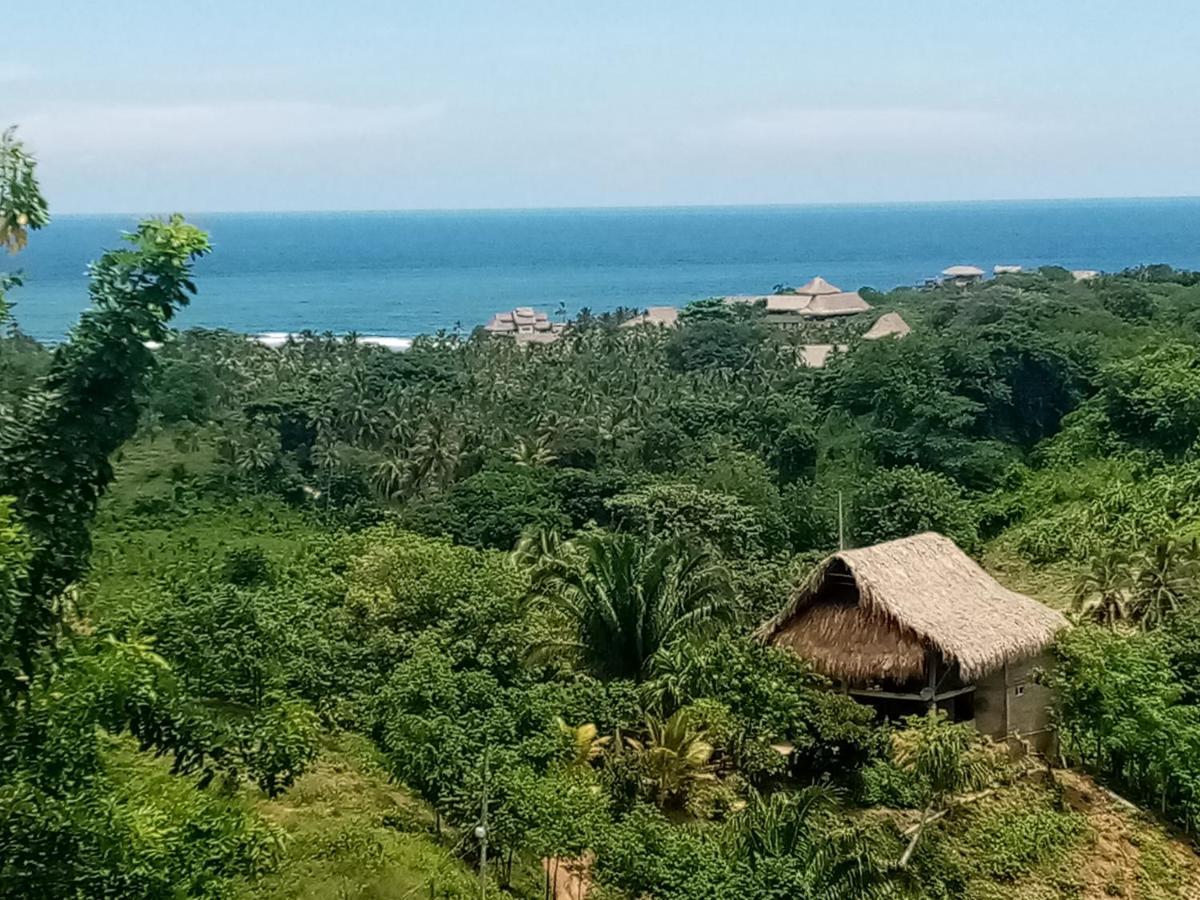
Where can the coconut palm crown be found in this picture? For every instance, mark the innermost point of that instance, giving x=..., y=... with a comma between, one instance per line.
x=620, y=601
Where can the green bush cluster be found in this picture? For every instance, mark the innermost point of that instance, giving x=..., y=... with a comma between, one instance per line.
x=1124, y=715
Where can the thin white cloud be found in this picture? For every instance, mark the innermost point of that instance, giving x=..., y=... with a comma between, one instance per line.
x=794, y=128
x=99, y=130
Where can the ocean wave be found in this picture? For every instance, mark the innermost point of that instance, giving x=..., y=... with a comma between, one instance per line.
x=388, y=342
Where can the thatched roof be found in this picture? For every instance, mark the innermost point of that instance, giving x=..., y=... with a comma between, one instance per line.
x=788, y=302
x=815, y=356
x=888, y=325
x=963, y=272
x=842, y=303
x=818, y=286
x=837, y=303
x=872, y=613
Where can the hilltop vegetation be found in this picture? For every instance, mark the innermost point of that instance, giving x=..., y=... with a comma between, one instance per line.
x=284, y=622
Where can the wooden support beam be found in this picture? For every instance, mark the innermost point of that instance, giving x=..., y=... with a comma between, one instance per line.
x=915, y=698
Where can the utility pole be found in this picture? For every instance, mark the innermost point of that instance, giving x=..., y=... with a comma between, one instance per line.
x=841, y=525
x=481, y=831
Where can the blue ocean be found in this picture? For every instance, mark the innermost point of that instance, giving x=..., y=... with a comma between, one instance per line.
x=408, y=273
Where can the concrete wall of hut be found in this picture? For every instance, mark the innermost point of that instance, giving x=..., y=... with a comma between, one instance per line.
x=1008, y=703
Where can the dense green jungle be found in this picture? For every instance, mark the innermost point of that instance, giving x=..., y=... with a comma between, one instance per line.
x=325, y=620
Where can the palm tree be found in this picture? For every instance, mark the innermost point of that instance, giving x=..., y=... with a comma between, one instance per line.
x=801, y=825
x=536, y=547
x=435, y=454
x=944, y=758
x=622, y=601
x=586, y=745
x=1103, y=593
x=674, y=757
x=389, y=476
x=1164, y=577
x=531, y=452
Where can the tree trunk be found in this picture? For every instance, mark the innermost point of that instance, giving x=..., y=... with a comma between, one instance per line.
x=912, y=844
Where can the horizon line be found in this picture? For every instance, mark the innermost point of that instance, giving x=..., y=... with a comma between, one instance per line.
x=815, y=204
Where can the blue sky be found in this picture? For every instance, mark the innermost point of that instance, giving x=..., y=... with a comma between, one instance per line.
x=263, y=105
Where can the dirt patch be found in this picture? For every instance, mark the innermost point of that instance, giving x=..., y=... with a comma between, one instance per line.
x=569, y=878
x=1129, y=855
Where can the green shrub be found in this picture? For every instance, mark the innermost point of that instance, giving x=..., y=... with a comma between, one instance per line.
x=1012, y=842
x=883, y=783
x=901, y=502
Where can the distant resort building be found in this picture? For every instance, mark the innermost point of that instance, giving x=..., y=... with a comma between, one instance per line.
x=1084, y=274
x=961, y=276
x=888, y=325
x=1006, y=270
x=525, y=325
x=661, y=316
x=816, y=300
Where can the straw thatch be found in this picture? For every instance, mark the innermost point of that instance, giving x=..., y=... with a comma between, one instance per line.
x=888, y=325
x=872, y=613
x=842, y=303
x=815, y=356
x=782, y=303
x=818, y=286
x=963, y=272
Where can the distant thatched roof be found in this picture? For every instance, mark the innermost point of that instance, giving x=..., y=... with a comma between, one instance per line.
x=782, y=303
x=818, y=286
x=843, y=303
x=872, y=613
x=888, y=325
x=963, y=272
x=837, y=303
x=815, y=356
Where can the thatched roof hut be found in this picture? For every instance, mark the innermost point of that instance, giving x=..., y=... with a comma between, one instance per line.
x=880, y=612
x=963, y=272
x=842, y=303
x=888, y=325
x=817, y=286
x=815, y=356
x=815, y=299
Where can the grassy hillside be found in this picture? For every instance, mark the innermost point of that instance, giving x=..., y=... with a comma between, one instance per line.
x=348, y=833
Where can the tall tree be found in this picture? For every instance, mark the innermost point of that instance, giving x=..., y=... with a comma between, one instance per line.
x=22, y=206
x=55, y=446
